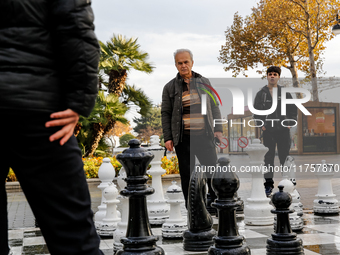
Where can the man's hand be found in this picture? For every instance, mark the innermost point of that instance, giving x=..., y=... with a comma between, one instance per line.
x=219, y=136
x=68, y=119
x=169, y=145
x=263, y=128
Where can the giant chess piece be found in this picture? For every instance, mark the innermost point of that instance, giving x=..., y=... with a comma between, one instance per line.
x=139, y=238
x=109, y=223
x=210, y=209
x=228, y=241
x=295, y=218
x=124, y=202
x=257, y=209
x=106, y=173
x=240, y=207
x=289, y=170
x=326, y=202
x=176, y=224
x=283, y=241
x=199, y=236
x=158, y=209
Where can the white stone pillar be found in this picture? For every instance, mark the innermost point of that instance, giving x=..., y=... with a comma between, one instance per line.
x=109, y=223
x=257, y=208
x=176, y=224
x=124, y=202
x=325, y=202
x=106, y=173
x=158, y=209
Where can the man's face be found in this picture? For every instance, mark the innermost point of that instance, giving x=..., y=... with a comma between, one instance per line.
x=273, y=78
x=184, y=64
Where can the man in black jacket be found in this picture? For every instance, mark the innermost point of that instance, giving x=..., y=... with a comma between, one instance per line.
x=274, y=132
x=48, y=76
x=184, y=126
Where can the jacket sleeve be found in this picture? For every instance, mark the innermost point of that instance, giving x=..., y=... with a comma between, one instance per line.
x=77, y=53
x=166, y=112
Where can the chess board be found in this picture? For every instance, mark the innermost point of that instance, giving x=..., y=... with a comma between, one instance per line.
x=320, y=235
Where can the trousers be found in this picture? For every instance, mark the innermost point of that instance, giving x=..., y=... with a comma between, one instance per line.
x=53, y=181
x=190, y=147
x=282, y=140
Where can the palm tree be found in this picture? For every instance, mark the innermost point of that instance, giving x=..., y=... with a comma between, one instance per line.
x=118, y=56
x=106, y=112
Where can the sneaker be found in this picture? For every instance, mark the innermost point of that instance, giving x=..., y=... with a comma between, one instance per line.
x=268, y=190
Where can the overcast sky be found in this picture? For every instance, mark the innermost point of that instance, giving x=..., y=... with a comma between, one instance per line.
x=164, y=26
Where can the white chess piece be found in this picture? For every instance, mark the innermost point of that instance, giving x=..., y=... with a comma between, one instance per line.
x=106, y=173
x=109, y=222
x=158, y=209
x=176, y=224
x=257, y=210
x=325, y=202
x=124, y=202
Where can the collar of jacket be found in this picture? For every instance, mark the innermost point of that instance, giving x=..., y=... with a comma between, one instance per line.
x=266, y=90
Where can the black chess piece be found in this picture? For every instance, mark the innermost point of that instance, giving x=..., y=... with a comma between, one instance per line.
x=139, y=238
x=210, y=209
x=284, y=241
x=225, y=184
x=199, y=236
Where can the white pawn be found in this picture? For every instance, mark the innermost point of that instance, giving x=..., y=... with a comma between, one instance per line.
x=124, y=203
x=257, y=210
x=289, y=171
x=158, y=209
x=106, y=173
x=176, y=224
x=326, y=202
x=109, y=223
x=295, y=218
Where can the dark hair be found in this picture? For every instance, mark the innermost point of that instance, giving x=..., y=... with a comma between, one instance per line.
x=275, y=69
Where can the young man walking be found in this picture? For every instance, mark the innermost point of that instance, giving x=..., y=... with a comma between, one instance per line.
x=274, y=133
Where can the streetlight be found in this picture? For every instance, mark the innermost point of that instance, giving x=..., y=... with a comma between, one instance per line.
x=336, y=28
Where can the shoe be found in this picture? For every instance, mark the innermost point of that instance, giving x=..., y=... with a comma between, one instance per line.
x=268, y=190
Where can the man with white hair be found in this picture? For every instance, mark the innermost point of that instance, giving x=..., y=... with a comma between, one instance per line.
x=184, y=126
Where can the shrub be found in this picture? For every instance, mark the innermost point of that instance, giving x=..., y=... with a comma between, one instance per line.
x=91, y=167
x=170, y=165
x=11, y=176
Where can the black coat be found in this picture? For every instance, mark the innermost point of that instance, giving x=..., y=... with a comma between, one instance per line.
x=48, y=56
x=263, y=101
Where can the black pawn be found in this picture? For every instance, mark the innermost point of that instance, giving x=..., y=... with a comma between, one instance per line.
x=225, y=184
x=284, y=241
x=139, y=238
x=199, y=236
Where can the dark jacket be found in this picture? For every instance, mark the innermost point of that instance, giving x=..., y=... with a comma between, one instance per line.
x=48, y=56
x=263, y=101
x=172, y=122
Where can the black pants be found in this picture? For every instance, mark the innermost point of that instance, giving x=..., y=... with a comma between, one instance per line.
x=203, y=148
x=280, y=138
x=53, y=180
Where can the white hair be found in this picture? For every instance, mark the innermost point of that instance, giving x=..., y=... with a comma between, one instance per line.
x=183, y=50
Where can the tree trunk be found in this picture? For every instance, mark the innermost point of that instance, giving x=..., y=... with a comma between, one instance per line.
x=98, y=135
x=110, y=125
x=295, y=78
x=312, y=68
x=117, y=81
x=77, y=129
